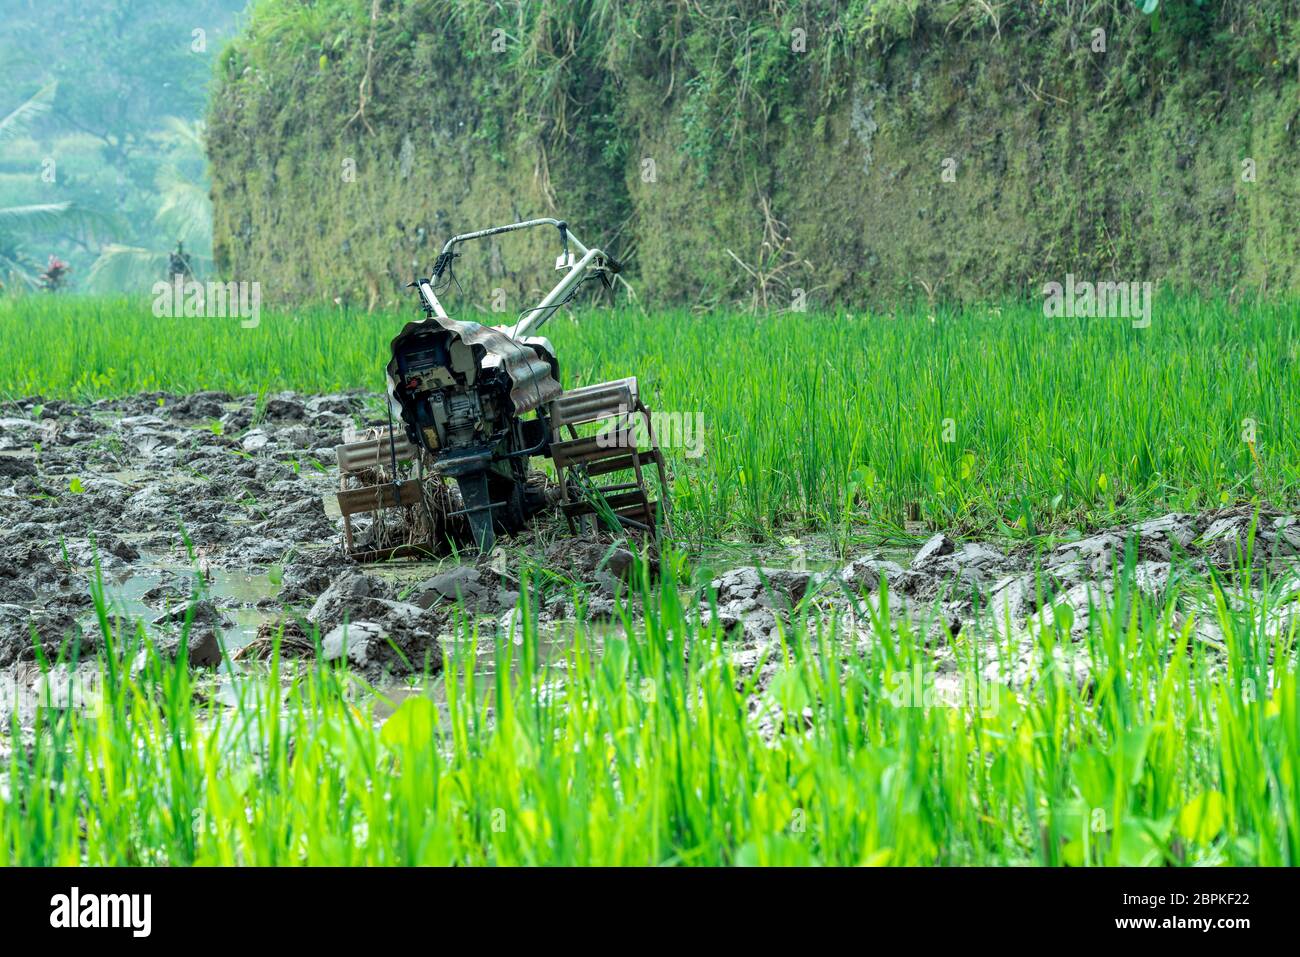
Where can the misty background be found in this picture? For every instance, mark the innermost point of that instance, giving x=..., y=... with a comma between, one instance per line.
x=102, y=161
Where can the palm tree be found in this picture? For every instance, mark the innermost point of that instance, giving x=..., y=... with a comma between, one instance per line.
x=185, y=213
x=17, y=222
x=40, y=103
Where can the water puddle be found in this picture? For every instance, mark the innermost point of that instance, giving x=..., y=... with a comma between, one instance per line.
x=236, y=592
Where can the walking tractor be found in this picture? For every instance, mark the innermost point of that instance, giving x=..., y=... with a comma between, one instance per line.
x=471, y=406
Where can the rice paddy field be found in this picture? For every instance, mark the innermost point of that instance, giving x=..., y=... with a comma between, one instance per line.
x=993, y=419
x=647, y=754
x=1169, y=737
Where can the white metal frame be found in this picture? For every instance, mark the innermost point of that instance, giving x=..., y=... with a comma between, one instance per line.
x=593, y=260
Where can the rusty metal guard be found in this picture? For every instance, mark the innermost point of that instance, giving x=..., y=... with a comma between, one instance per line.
x=531, y=382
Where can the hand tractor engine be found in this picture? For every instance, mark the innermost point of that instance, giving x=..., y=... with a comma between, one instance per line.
x=476, y=404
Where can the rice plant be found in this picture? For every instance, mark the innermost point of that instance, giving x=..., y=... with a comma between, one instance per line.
x=995, y=419
x=650, y=745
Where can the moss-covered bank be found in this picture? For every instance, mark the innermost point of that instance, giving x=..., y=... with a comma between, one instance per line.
x=857, y=150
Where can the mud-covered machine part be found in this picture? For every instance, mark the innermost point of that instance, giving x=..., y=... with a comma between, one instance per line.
x=475, y=405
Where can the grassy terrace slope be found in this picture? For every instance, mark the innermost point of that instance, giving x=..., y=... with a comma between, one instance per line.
x=994, y=418
x=888, y=149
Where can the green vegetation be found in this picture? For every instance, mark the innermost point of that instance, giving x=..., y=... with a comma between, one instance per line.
x=992, y=418
x=693, y=138
x=19, y=221
x=939, y=161
x=110, y=166
x=1155, y=750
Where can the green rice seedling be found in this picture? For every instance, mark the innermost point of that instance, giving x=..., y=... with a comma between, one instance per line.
x=650, y=744
x=996, y=419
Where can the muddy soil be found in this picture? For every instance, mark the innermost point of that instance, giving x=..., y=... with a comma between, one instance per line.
x=218, y=510
x=152, y=488
x=214, y=515
x=979, y=610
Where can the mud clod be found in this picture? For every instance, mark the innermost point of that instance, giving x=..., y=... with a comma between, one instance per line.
x=201, y=613
x=200, y=645
x=936, y=547
x=294, y=641
x=465, y=584
x=115, y=482
x=402, y=641
x=757, y=600
x=13, y=467
x=588, y=560
x=868, y=573
x=285, y=409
